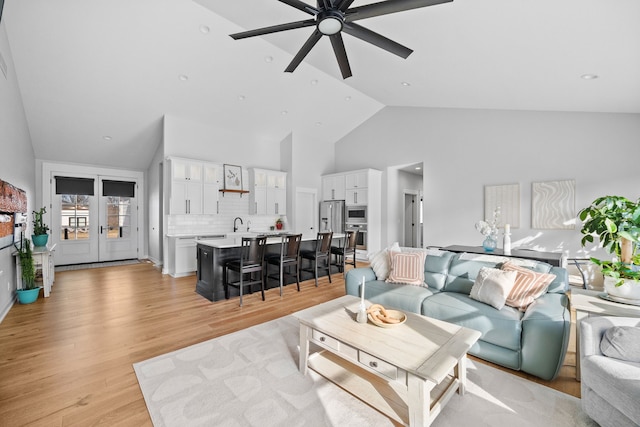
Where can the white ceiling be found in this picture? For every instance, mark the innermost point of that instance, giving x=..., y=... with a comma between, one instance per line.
x=89, y=68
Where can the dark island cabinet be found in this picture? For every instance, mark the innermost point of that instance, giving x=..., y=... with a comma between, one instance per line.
x=205, y=276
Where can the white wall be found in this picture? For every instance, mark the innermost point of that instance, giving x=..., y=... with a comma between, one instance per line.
x=464, y=150
x=17, y=160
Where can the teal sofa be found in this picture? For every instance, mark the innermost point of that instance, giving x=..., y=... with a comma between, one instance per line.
x=534, y=341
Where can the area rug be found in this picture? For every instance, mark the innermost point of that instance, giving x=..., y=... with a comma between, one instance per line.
x=251, y=378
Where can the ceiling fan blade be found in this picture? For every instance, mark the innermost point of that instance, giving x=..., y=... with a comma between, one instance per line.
x=344, y=5
x=273, y=29
x=300, y=5
x=341, y=55
x=386, y=7
x=376, y=39
x=304, y=51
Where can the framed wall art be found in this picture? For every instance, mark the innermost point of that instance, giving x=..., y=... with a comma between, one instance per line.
x=232, y=177
x=553, y=205
x=507, y=198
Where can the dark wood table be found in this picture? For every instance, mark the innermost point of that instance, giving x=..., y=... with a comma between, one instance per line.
x=553, y=258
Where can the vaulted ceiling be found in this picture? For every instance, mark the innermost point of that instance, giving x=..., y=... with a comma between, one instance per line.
x=98, y=76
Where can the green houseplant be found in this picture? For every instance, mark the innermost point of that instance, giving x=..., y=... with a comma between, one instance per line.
x=40, y=229
x=29, y=292
x=615, y=221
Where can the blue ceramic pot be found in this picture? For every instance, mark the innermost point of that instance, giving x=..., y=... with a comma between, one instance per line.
x=40, y=239
x=27, y=296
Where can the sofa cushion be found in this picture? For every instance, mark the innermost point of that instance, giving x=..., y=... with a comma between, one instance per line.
x=492, y=286
x=407, y=268
x=529, y=285
x=436, y=268
x=499, y=327
x=379, y=261
x=399, y=297
x=621, y=342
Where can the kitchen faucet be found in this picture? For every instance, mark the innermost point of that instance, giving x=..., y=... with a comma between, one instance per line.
x=235, y=227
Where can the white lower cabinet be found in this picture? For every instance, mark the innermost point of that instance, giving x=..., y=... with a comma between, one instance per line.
x=185, y=258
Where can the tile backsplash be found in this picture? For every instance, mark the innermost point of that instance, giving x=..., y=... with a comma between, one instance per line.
x=230, y=206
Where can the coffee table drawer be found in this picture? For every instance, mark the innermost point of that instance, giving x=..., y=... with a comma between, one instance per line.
x=334, y=344
x=380, y=366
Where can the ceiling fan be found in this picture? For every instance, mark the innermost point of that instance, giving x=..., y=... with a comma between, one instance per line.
x=332, y=17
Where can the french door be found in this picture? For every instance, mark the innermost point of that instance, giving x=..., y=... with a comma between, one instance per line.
x=94, y=218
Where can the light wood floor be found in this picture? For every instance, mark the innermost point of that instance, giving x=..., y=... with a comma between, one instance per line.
x=67, y=360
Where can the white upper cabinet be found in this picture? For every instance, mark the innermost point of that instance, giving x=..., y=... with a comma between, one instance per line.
x=333, y=187
x=268, y=194
x=194, y=187
x=355, y=180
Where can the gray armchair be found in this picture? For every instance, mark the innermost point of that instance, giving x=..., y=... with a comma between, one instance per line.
x=610, y=386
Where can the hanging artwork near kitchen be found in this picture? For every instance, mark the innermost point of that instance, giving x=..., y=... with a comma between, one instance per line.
x=507, y=198
x=232, y=177
x=12, y=200
x=553, y=205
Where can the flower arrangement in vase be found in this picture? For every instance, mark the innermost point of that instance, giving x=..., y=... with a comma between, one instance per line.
x=489, y=229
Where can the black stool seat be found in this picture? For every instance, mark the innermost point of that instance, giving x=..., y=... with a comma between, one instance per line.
x=288, y=257
x=346, y=251
x=320, y=257
x=251, y=261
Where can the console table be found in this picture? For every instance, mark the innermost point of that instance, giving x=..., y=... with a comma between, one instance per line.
x=554, y=258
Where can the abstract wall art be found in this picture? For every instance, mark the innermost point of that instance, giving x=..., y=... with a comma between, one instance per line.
x=507, y=198
x=553, y=205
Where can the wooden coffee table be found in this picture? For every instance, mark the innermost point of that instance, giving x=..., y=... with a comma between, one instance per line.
x=407, y=372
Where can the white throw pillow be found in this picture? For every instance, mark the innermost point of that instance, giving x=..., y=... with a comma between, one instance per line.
x=492, y=286
x=379, y=261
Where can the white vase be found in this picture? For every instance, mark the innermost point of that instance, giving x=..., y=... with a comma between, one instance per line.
x=629, y=290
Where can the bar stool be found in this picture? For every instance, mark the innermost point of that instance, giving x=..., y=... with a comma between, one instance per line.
x=251, y=261
x=289, y=257
x=321, y=252
x=346, y=250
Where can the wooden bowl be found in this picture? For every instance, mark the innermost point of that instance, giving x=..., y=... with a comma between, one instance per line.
x=394, y=314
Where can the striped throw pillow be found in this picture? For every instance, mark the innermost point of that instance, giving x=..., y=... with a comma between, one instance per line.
x=407, y=268
x=529, y=285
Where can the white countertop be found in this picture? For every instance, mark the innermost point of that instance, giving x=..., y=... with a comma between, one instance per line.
x=232, y=240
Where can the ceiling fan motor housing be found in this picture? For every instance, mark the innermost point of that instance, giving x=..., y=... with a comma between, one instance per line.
x=330, y=21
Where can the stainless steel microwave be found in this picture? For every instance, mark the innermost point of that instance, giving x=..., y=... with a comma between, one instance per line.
x=356, y=214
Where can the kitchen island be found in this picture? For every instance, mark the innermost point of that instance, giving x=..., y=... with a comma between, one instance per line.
x=212, y=255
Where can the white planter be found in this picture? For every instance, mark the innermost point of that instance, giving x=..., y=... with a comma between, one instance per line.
x=629, y=290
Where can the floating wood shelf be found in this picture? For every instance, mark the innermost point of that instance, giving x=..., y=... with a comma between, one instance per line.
x=241, y=192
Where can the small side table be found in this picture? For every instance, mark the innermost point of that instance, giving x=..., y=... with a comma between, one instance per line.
x=587, y=303
x=43, y=260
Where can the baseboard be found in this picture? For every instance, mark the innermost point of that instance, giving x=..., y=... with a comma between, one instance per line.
x=4, y=312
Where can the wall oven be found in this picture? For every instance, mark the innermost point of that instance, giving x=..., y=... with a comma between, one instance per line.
x=361, y=240
x=356, y=214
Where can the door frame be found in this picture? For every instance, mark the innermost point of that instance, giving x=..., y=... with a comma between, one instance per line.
x=44, y=192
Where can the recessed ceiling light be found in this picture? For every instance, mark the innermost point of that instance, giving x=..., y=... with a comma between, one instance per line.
x=241, y=98
x=347, y=98
x=204, y=29
x=318, y=123
x=405, y=84
x=589, y=76
x=418, y=168
x=284, y=112
x=314, y=82
x=183, y=77
x=107, y=138
x=268, y=59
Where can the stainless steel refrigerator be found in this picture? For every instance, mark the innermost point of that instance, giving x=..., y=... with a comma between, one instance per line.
x=332, y=216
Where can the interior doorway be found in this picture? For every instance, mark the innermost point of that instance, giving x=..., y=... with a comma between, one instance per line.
x=412, y=220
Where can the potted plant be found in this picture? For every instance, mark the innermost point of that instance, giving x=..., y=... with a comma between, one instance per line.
x=279, y=223
x=40, y=229
x=29, y=292
x=615, y=221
